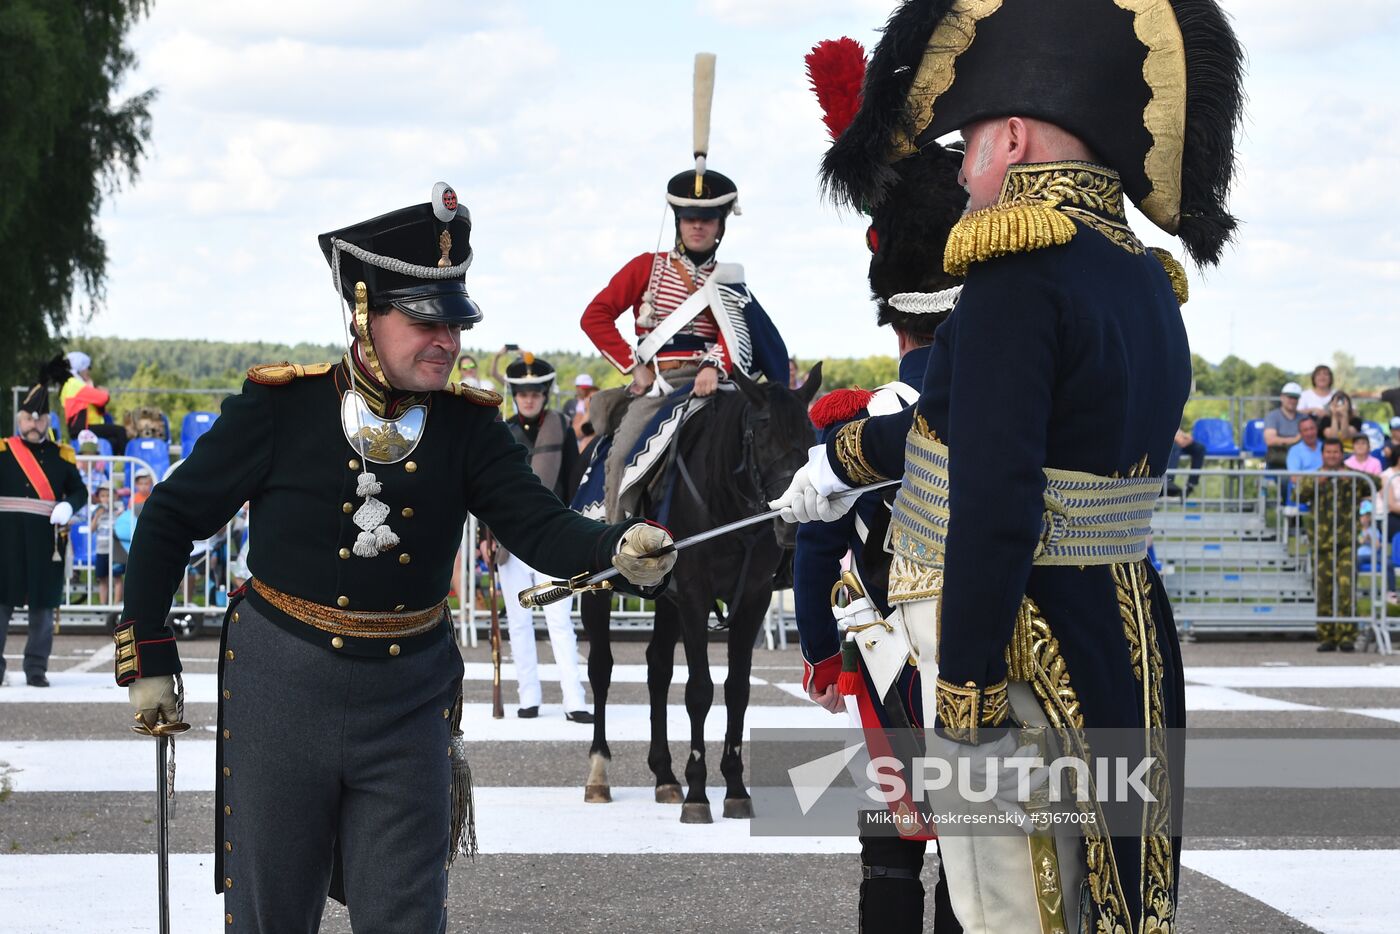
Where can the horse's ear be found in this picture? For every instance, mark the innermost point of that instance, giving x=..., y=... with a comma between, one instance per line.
x=811, y=384
x=749, y=387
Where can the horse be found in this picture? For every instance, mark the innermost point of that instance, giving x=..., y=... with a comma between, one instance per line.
x=732, y=457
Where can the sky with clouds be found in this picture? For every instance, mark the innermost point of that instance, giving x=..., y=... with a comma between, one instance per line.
x=558, y=123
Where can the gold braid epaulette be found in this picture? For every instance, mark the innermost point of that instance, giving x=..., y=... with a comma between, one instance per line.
x=849, y=452
x=1175, y=272
x=475, y=395
x=1003, y=229
x=964, y=710
x=278, y=374
x=66, y=452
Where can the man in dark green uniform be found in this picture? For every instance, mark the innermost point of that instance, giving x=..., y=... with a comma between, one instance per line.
x=40, y=487
x=1334, y=494
x=1022, y=577
x=340, y=682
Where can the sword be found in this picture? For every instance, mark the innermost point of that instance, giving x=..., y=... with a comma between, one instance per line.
x=554, y=591
x=162, y=732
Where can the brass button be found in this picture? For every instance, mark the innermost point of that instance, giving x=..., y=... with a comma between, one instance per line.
x=394, y=649
x=354, y=464
x=345, y=552
x=404, y=558
x=446, y=713
x=228, y=919
x=225, y=771
x=411, y=467
x=342, y=601
x=399, y=608
x=226, y=736
x=235, y=616
x=347, y=508
x=228, y=811
x=337, y=643
x=408, y=512
x=228, y=883
x=226, y=694
x=228, y=847
x=229, y=654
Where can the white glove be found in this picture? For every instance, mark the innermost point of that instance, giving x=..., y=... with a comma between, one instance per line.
x=62, y=512
x=153, y=699
x=802, y=502
x=1016, y=777
x=636, y=555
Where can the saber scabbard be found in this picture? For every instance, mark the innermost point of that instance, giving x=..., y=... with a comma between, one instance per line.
x=163, y=732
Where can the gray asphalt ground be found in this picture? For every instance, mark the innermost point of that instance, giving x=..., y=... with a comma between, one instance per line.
x=543, y=894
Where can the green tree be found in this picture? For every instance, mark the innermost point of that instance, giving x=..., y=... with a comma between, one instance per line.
x=66, y=143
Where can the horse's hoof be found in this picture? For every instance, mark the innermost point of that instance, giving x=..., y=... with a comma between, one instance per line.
x=739, y=808
x=696, y=814
x=597, y=794
x=669, y=794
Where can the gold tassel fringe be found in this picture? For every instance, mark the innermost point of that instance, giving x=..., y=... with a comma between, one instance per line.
x=1175, y=272
x=1003, y=229
x=463, y=831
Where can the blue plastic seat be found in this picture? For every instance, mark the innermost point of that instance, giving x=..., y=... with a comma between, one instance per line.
x=192, y=427
x=153, y=451
x=1217, y=436
x=84, y=545
x=1254, y=438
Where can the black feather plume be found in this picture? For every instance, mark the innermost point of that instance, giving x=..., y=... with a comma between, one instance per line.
x=56, y=370
x=1214, y=109
x=854, y=170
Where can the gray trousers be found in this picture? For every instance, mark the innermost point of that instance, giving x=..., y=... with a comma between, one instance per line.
x=640, y=411
x=321, y=749
x=39, y=644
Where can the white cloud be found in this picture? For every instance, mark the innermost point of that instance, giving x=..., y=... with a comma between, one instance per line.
x=559, y=126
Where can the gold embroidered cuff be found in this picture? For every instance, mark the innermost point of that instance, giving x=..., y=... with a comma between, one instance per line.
x=125, y=637
x=963, y=711
x=851, y=456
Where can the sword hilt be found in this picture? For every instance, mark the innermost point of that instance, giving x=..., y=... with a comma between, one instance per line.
x=160, y=729
x=553, y=591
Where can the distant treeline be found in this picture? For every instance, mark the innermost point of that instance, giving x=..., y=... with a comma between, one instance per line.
x=154, y=372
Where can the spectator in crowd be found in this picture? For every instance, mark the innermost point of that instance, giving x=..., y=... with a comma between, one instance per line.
x=141, y=486
x=1361, y=458
x=85, y=405
x=1388, y=500
x=101, y=515
x=1306, y=455
x=578, y=405
x=468, y=373
x=1391, y=452
x=795, y=375
x=1341, y=421
x=1368, y=537
x=1183, y=443
x=1316, y=399
x=1281, y=426
x=1334, y=496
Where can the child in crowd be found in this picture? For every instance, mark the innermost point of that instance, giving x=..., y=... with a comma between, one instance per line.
x=1361, y=458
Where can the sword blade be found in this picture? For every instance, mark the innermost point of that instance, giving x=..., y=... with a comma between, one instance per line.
x=736, y=525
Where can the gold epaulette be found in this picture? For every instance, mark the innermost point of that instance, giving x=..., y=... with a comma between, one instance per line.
x=4, y=445
x=1175, y=272
x=278, y=374
x=66, y=452
x=474, y=395
x=1003, y=229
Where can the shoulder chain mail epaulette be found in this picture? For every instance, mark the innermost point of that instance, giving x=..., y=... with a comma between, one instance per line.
x=474, y=395
x=1175, y=272
x=277, y=374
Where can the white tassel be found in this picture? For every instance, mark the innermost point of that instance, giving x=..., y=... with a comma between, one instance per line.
x=364, y=545
x=384, y=538
x=368, y=485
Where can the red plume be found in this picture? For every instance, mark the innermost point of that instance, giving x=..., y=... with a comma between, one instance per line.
x=836, y=68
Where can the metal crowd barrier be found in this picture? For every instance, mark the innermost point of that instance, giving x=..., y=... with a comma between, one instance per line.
x=1246, y=552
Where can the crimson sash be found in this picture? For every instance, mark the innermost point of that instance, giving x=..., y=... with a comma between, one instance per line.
x=31, y=468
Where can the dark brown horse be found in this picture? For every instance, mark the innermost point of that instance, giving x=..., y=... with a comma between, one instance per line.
x=732, y=457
